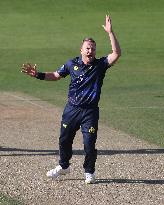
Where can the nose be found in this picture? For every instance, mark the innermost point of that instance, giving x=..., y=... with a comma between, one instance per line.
x=90, y=50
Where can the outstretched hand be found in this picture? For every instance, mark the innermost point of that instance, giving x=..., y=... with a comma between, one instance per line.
x=29, y=69
x=108, y=24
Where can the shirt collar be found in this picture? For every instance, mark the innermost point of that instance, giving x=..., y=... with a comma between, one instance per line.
x=82, y=63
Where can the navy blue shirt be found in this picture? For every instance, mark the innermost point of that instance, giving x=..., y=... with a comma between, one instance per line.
x=86, y=80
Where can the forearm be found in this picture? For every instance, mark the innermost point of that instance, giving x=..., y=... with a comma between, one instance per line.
x=49, y=76
x=116, y=50
x=114, y=43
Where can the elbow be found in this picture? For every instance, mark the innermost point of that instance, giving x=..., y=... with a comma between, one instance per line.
x=112, y=58
x=119, y=53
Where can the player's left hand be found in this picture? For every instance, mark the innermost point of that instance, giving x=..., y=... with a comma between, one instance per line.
x=108, y=24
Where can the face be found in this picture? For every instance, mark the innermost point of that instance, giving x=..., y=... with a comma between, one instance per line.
x=88, y=52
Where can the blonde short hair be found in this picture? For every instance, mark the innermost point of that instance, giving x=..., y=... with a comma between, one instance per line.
x=88, y=39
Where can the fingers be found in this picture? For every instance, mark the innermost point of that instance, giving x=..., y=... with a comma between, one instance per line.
x=108, y=19
x=35, y=67
x=23, y=68
x=108, y=24
x=26, y=66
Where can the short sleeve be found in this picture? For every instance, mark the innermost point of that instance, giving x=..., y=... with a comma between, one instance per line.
x=104, y=61
x=63, y=71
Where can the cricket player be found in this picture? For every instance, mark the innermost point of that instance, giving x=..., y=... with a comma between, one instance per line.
x=81, y=110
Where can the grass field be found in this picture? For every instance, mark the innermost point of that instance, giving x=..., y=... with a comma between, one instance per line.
x=6, y=200
x=49, y=32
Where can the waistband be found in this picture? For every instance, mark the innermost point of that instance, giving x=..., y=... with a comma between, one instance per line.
x=83, y=106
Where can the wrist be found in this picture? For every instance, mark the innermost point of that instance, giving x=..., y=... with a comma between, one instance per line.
x=40, y=76
x=110, y=33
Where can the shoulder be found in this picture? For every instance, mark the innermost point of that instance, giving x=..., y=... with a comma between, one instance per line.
x=103, y=62
x=103, y=59
x=65, y=69
x=72, y=61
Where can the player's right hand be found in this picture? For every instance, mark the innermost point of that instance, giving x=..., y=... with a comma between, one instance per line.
x=29, y=69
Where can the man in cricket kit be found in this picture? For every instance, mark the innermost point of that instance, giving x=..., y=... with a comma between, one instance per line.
x=81, y=111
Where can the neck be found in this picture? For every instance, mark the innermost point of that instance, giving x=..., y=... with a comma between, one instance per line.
x=87, y=61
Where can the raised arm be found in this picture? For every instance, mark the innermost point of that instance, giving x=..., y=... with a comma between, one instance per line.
x=116, y=50
x=32, y=71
